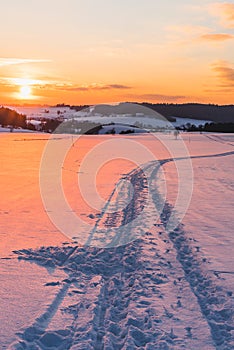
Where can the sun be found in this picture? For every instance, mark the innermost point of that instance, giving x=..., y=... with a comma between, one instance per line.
x=25, y=92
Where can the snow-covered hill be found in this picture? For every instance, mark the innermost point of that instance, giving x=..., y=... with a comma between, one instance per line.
x=144, y=118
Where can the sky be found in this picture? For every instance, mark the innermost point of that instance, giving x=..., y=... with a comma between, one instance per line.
x=100, y=51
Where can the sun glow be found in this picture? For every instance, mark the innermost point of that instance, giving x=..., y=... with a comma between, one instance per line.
x=25, y=92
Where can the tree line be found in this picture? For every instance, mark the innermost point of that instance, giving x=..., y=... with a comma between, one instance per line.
x=9, y=117
x=12, y=119
x=198, y=111
x=210, y=127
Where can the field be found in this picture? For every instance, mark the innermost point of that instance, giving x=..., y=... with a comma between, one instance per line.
x=138, y=256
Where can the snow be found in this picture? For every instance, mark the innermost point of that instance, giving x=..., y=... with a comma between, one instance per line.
x=33, y=112
x=144, y=120
x=210, y=211
x=15, y=130
x=153, y=287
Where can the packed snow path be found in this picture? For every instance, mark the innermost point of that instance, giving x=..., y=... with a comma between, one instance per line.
x=154, y=293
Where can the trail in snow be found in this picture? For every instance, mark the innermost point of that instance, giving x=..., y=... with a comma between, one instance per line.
x=154, y=293
x=220, y=139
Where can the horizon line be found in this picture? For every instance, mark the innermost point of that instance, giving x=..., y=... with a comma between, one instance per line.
x=96, y=104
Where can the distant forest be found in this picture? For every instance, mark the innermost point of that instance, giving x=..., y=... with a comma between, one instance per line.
x=13, y=120
x=214, y=113
x=9, y=117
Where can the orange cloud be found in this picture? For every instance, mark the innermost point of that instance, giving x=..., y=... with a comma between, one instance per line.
x=184, y=34
x=216, y=37
x=60, y=85
x=97, y=87
x=225, y=73
x=195, y=34
x=157, y=97
x=225, y=11
x=15, y=61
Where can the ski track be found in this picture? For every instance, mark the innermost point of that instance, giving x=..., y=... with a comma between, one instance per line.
x=153, y=293
x=219, y=139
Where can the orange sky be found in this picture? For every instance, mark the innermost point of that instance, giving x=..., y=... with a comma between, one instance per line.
x=106, y=51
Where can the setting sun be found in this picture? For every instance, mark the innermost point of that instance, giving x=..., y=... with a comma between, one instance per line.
x=25, y=92
x=178, y=52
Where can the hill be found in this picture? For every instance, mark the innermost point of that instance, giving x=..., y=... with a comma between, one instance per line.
x=214, y=113
x=198, y=111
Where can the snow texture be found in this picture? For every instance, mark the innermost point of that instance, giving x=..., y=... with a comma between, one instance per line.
x=157, y=292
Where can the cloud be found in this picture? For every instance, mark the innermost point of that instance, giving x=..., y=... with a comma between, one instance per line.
x=158, y=97
x=225, y=12
x=190, y=35
x=218, y=91
x=52, y=84
x=117, y=86
x=22, y=81
x=218, y=37
x=96, y=87
x=15, y=61
x=37, y=83
x=225, y=73
x=184, y=34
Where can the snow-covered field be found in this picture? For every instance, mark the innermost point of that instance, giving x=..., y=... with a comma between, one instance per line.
x=36, y=113
x=15, y=130
x=135, y=283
